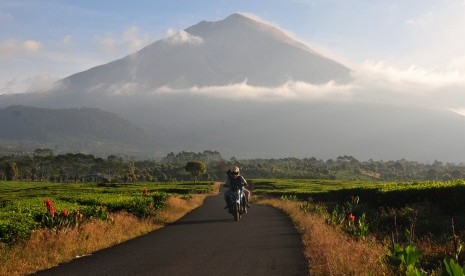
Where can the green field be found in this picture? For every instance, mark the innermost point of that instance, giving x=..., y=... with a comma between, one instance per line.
x=447, y=194
x=429, y=204
x=22, y=207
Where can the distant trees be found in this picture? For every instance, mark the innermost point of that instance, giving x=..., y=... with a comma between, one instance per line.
x=196, y=168
x=11, y=171
x=44, y=165
x=186, y=156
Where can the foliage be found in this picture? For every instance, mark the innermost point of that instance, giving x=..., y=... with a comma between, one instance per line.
x=196, y=168
x=445, y=195
x=24, y=206
x=289, y=198
x=44, y=165
x=186, y=156
x=452, y=268
x=408, y=213
x=11, y=171
x=451, y=264
x=309, y=206
x=95, y=212
x=409, y=257
x=350, y=218
x=16, y=226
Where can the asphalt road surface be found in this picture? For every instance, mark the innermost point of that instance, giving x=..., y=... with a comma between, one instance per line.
x=207, y=241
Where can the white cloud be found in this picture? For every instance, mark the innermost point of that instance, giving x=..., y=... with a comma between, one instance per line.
x=457, y=64
x=123, y=89
x=459, y=111
x=291, y=90
x=133, y=39
x=26, y=72
x=412, y=86
x=37, y=83
x=40, y=83
x=436, y=37
x=182, y=37
x=31, y=46
x=13, y=48
x=374, y=82
x=413, y=77
x=130, y=40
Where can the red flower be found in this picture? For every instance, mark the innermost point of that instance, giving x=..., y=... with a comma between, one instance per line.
x=351, y=218
x=48, y=203
x=145, y=191
x=64, y=213
x=50, y=207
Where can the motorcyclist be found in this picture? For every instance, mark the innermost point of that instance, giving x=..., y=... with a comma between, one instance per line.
x=235, y=181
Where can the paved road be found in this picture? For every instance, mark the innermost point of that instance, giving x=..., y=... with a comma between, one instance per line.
x=205, y=242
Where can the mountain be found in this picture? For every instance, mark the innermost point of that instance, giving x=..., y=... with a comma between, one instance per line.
x=225, y=52
x=70, y=130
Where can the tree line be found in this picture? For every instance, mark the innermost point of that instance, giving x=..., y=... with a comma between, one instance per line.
x=45, y=165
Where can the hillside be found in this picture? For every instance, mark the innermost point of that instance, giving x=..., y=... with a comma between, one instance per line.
x=76, y=130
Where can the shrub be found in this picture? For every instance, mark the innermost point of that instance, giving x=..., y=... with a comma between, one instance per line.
x=95, y=212
x=16, y=226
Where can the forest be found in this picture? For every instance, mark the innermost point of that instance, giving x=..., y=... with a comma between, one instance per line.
x=45, y=165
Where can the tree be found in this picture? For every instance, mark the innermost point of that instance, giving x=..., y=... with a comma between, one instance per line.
x=42, y=158
x=11, y=171
x=130, y=172
x=196, y=168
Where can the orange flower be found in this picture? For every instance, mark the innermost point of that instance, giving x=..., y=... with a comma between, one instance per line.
x=145, y=191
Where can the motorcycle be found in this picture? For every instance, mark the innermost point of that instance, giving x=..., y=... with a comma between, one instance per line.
x=239, y=205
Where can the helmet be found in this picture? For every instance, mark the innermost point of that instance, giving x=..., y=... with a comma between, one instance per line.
x=235, y=169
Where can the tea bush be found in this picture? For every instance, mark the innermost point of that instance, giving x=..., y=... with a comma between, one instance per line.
x=15, y=226
x=25, y=206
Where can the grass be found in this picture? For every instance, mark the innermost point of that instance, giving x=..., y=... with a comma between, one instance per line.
x=329, y=250
x=48, y=247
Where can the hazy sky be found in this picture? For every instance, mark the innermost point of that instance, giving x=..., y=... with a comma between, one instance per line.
x=414, y=41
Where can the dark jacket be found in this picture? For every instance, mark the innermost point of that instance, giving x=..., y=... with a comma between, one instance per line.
x=235, y=182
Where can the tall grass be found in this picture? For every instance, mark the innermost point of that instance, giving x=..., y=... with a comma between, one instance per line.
x=329, y=250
